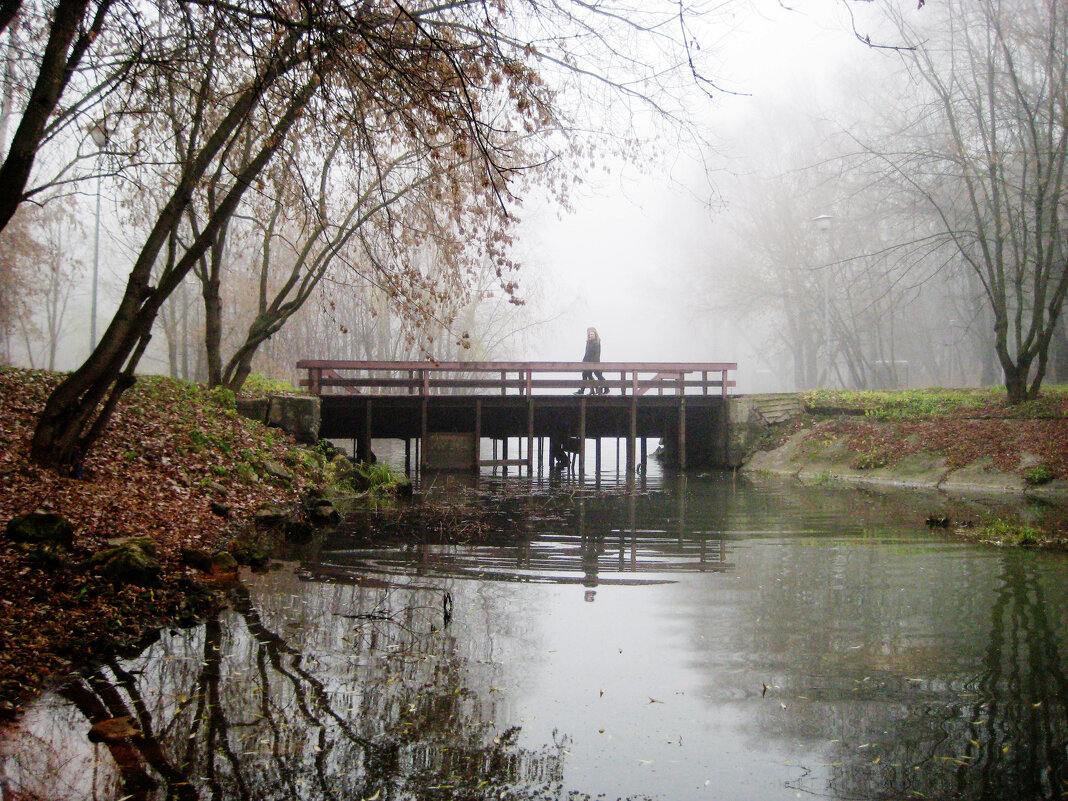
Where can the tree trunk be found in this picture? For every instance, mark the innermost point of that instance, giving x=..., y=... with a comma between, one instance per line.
x=213, y=329
x=61, y=55
x=78, y=410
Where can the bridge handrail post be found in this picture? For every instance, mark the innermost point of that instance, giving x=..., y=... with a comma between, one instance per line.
x=723, y=385
x=704, y=382
x=424, y=383
x=634, y=383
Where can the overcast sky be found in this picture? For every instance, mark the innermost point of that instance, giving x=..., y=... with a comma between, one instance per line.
x=625, y=260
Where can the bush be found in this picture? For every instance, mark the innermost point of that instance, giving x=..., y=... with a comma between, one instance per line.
x=1038, y=475
x=258, y=384
x=223, y=396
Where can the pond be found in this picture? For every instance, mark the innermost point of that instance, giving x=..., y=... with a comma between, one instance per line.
x=701, y=637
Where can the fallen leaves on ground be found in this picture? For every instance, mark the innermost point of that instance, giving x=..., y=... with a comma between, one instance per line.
x=170, y=450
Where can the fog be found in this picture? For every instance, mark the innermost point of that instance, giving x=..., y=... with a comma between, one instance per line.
x=703, y=246
x=633, y=257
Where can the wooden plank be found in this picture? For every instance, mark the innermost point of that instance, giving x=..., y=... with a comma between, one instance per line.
x=512, y=367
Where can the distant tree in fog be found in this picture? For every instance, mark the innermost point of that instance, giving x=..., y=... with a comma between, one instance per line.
x=38, y=273
x=987, y=151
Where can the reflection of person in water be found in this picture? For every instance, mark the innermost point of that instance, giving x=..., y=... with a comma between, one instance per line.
x=593, y=354
x=591, y=551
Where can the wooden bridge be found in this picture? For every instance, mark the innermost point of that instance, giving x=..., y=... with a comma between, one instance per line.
x=448, y=408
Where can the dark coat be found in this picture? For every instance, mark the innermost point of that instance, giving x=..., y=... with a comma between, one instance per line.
x=593, y=350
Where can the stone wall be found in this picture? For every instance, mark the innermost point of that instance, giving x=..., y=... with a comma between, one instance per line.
x=748, y=417
x=297, y=414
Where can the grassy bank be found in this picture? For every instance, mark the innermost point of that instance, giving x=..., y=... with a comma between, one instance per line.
x=958, y=440
x=880, y=429
x=177, y=466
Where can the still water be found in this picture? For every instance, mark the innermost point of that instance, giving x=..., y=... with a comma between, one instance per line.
x=682, y=638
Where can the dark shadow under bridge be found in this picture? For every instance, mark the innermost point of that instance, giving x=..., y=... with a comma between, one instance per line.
x=446, y=409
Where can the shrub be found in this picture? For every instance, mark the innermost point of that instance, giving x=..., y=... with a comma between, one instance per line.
x=259, y=384
x=223, y=396
x=1038, y=475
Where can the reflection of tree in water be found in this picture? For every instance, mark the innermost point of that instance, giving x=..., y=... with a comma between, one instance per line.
x=1006, y=736
x=313, y=704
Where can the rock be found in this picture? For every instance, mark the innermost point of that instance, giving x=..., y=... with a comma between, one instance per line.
x=276, y=470
x=41, y=528
x=297, y=414
x=269, y=514
x=218, y=489
x=249, y=554
x=220, y=509
x=253, y=408
x=323, y=513
x=298, y=531
x=197, y=558
x=114, y=730
x=131, y=561
x=404, y=487
x=223, y=562
x=146, y=544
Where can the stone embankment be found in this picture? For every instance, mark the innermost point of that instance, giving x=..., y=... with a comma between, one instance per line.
x=957, y=455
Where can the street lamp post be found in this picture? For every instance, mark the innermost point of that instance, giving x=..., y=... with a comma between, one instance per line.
x=823, y=225
x=99, y=135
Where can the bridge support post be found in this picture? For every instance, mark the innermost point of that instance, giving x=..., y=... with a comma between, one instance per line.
x=632, y=435
x=422, y=434
x=478, y=435
x=582, y=436
x=363, y=442
x=682, y=432
x=530, y=433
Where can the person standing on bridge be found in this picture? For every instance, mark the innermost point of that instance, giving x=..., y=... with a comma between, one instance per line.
x=593, y=354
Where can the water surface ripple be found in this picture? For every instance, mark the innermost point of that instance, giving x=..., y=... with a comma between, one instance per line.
x=701, y=638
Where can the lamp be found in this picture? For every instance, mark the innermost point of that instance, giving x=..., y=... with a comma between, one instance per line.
x=99, y=134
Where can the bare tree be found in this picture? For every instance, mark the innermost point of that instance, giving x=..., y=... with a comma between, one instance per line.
x=455, y=81
x=988, y=152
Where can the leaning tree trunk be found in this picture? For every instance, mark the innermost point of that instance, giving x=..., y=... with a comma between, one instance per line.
x=78, y=411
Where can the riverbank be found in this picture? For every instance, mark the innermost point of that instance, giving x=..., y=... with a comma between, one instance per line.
x=178, y=490
x=959, y=442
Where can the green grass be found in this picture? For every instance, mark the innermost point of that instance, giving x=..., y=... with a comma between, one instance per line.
x=1011, y=533
x=908, y=404
x=258, y=385
x=918, y=404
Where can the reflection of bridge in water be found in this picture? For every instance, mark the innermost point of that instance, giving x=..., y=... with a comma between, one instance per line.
x=620, y=557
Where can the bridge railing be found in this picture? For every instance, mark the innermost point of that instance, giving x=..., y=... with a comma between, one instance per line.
x=522, y=378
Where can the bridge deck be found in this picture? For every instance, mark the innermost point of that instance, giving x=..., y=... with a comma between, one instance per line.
x=524, y=400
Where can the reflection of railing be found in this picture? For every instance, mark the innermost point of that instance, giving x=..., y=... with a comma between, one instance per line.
x=524, y=378
x=628, y=557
